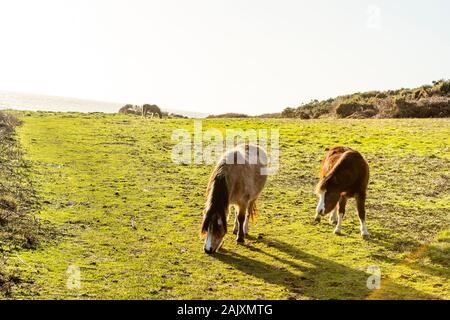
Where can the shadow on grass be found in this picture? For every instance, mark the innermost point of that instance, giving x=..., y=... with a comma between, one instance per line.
x=438, y=255
x=309, y=276
x=404, y=228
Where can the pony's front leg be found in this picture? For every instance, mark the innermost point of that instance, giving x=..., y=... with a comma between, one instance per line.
x=317, y=218
x=241, y=221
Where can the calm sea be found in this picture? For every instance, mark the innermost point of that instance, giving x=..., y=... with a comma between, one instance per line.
x=36, y=102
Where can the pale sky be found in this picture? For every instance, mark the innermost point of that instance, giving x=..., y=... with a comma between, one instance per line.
x=215, y=56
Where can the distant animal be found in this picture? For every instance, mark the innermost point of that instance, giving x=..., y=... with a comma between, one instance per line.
x=151, y=109
x=344, y=174
x=237, y=179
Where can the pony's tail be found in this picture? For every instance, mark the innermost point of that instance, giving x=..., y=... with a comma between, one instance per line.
x=253, y=211
x=216, y=203
x=323, y=182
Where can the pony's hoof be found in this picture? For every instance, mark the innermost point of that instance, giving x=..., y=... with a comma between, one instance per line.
x=338, y=232
x=365, y=236
x=240, y=241
x=316, y=220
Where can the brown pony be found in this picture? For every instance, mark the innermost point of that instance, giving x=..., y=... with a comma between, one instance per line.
x=237, y=180
x=344, y=174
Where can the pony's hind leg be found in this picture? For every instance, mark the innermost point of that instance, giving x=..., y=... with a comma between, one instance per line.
x=236, y=223
x=341, y=208
x=361, y=207
x=241, y=221
x=251, y=211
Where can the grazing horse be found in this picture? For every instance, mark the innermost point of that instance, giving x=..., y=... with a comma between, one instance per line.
x=344, y=174
x=152, y=109
x=236, y=180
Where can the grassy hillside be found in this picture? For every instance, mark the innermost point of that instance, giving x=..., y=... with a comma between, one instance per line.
x=129, y=217
x=428, y=101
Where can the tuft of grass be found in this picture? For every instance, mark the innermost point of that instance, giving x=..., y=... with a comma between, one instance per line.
x=130, y=216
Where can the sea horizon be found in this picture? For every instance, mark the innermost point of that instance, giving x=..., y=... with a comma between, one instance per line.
x=41, y=102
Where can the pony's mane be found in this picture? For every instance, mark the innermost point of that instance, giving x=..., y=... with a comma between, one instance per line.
x=323, y=183
x=216, y=202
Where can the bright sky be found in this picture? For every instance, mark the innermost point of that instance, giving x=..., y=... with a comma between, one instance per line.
x=214, y=56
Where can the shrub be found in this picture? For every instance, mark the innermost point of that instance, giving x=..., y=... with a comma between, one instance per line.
x=130, y=109
x=8, y=122
x=441, y=87
x=431, y=107
x=302, y=115
x=347, y=109
x=288, y=113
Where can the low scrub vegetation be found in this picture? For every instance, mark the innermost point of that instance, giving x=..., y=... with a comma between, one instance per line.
x=429, y=101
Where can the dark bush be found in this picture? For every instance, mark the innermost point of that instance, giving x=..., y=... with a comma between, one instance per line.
x=131, y=109
x=347, y=109
x=302, y=115
x=288, y=113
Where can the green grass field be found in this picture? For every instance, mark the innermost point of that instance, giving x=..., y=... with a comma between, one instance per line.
x=94, y=173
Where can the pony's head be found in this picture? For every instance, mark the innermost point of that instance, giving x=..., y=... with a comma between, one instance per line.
x=214, y=225
x=328, y=192
x=214, y=228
